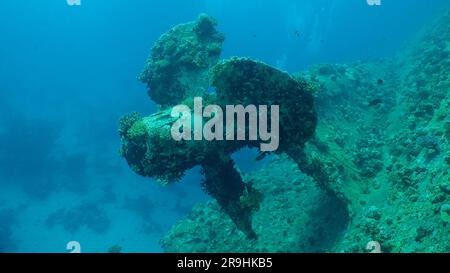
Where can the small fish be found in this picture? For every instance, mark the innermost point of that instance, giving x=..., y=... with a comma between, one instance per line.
x=297, y=33
x=374, y=102
x=380, y=81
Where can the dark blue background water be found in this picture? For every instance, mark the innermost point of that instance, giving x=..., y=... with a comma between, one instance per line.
x=68, y=73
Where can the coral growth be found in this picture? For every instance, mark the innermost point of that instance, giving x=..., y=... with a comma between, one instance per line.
x=381, y=148
x=181, y=60
x=377, y=150
x=189, y=52
x=151, y=151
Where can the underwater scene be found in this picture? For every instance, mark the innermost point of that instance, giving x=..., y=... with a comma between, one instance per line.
x=224, y=126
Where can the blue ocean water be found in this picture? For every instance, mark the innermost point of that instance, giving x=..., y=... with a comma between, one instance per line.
x=67, y=74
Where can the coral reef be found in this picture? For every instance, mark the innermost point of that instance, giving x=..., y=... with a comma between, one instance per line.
x=181, y=60
x=241, y=81
x=294, y=216
x=151, y=151
x=380, y=152
x=148, y=145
